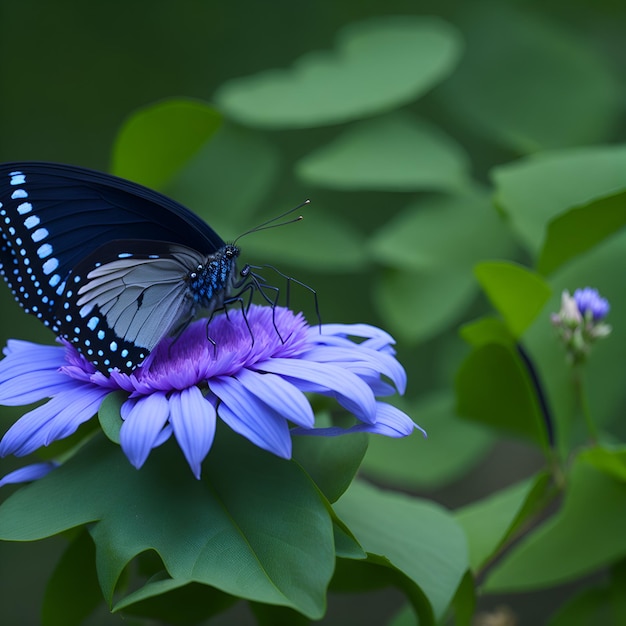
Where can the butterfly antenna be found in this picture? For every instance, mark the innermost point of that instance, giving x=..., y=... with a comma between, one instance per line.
x=272, y=223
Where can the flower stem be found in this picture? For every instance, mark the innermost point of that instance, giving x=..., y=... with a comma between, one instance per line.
x=583, y=402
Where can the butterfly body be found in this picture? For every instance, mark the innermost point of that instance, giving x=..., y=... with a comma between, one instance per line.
x=110, y=266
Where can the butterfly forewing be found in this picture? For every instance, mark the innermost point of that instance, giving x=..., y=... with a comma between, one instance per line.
x=102, y=261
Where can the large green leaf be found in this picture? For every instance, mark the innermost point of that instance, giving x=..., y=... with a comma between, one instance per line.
x=586, y=534
x=419, y=305
x=254, y=526
x=535, y=190
x=516, y=292
x=322, y=241
x=72, y=592
x=572, y=233
x=390, y=153
x=529, y=84
x=494, y=387
x=229, y=179
x=418, y=538
x=158, y=140
x=378, y=65
x=488, y=523
x=453, y=446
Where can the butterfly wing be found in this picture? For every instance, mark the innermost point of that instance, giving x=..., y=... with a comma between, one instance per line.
x=123, y=298
x=52, y=216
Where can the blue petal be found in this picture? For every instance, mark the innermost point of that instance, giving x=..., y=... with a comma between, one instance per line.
x=352, y=330
x=33, y=386
x=361, y=361
x=252, y=418
x=390, y=422
x=58, y=418
x=144, y=420
x=193, y=421
x=280, y=395
x=28, y=473
x=351, y=392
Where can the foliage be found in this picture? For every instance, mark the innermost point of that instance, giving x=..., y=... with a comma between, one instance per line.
x=464, y=171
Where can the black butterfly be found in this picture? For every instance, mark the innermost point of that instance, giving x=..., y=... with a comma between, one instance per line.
x=107, y=264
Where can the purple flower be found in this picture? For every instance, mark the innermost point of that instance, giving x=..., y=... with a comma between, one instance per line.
x=590, y=302
x=251, y=377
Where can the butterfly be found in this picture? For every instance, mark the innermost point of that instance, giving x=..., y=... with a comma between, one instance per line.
x=110, y=266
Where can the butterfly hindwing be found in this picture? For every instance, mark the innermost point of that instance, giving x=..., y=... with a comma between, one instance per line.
x=123, y=298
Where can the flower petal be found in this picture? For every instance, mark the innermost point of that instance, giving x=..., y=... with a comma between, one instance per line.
x=351, y=392
x=28, y=473
x=193, y=421
x=33, y=386
x=279, y=394
x=361, y=361
x=58, y=418
x=144, y=420
x=251, y=417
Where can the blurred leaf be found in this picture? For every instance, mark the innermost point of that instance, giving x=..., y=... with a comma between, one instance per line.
x=331, y=462
x=158, y=140
x=580, y=229
x=517, y=293
x=453, y=446
x=322, y=241
x=405, y=617
x=611, y=462
x=494, y=388
x=73, y=592
x=489, y=522
x=605, y=605
x=229, y=179
x=421, y=305
x=486, y=330
x=432, y=233
x=535, y=190
x=378, y=65
x=391, y=153
x=464, y=603
x=261, y=511
x=418, y=538
x=529, y=84
x=164, y=599
x=592, y=520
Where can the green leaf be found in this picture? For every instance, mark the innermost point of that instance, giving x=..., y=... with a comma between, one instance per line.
x=432, y=233
x=419, y=305
x=254, y=527
x=73, y=592
x=609, y=461
x=536, y=190
x=578, y=230
x=486, y=330
x=158, y=140
x=530, y=84
x=488, y=523
x=493, y=387
x=592, y=520
x=390, y=153
x=369, y=73
x=174, y=602
x=322, y=240
x=418, y=538
x=229, y=179
x=109, y=415
x=453, y=446
x=332, y=462
x=517, y=293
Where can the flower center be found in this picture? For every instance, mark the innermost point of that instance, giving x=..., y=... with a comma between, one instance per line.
x=205, y=350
